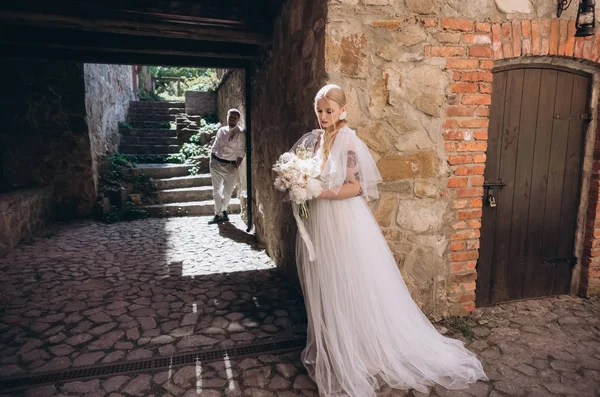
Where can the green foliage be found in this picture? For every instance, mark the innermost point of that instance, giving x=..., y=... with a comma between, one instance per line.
x=460, y=325
x=199, y=79
x=155, y=158
x=151, y=124
x=116, y=177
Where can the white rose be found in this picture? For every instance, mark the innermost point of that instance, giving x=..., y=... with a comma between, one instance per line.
x=314, y=188
x=286, y=157
x=298, y=195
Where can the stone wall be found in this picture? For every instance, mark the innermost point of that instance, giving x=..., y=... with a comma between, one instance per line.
x=44, y=138
x=199, y=103
x=283, y=89
x=418, y=77
x=108, y=90
x=22, y=213
x=231, y=94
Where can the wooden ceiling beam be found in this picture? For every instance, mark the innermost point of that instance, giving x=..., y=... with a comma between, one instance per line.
x=116, y=43
x=154, y=28
x=122, y=58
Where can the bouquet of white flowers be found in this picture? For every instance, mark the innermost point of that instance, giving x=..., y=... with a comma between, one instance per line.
x=298, y=173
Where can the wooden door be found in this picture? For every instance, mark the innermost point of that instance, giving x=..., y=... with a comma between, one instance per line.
x=533, y=172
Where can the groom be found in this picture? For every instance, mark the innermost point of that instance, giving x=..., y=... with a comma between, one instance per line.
x=228, y=151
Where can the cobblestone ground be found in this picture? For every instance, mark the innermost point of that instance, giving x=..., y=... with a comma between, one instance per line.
x=538, y=348
x=90, y=293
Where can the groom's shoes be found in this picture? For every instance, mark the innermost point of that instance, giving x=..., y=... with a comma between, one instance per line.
x=225, y=216
x=216, y=219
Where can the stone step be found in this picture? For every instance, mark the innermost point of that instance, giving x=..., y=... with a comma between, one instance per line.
x=196, y=193
x=159, y=111
x=148, y=149
x=183, y=181
x=150, y=117
x=156, y=104
x=191, y=208
x=148, y=132
x=149, y=140
x=162, y=171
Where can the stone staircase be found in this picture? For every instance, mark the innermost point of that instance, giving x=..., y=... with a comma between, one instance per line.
x=178, y=192
x=143, y=140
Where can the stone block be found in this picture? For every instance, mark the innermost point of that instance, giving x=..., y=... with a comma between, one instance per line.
x=417, y=165
x=200, y=103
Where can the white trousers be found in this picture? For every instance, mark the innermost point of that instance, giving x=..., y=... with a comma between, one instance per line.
x=223, y=178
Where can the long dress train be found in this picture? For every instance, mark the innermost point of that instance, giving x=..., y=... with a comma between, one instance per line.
x=363, y=326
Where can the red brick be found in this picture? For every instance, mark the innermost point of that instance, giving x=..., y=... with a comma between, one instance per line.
x=545, y=33
x=596, y=49
x=473, y=245
x=456, y=160
x=457, y=246
x=486, y=64
x=526, y=28
x=474, y=123
x=463, y=87
x=485, y=88
x=471, y=146
x=466, y=235
x=463, y=256
x=470, y=192
x=475, y=224
x=526, y=33
x=460, y=111
x=587, y=49
x=483, y=111
x=578, y=53
x=446, y=51
x=460, y=204
x=497, y=41
x=463, y=25
x=476, y=203
x=483, y=27
x=450, y=123
x=553, y=39
x=479, y=158
x=473, y=38
x=471, y=170
x=449, y=147
x=469, y=287
x=476, y=180
x=570, y=43
x=458, y=182
x=454, y=135
x=459, y=225
x=469, y=214
x=483, y=99
x=459, y=63
x=536, y=38
x=430, y=22
x=456, y=76
x=469, y=307
x=461, y=278
x=480, y=51
x=477, y=76
x=456, y=267
x=467, y=298
x=471, y=265
x=516, y=38
x=507, y=47
x=562, y=36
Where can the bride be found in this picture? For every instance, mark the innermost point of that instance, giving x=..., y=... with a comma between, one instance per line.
x=364, y=330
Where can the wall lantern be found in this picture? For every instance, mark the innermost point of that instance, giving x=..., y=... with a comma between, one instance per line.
x=586, y=16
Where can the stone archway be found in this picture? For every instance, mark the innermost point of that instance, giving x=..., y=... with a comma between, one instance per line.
x=479, y=47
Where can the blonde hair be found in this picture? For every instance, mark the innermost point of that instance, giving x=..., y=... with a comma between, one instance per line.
x=330, y=92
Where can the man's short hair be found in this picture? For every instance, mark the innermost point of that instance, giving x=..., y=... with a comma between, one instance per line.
x=234, y=111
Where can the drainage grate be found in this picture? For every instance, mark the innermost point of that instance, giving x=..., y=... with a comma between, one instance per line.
x=152, y=364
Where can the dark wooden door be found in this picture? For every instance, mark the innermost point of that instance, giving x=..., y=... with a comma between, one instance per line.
x=533, y=173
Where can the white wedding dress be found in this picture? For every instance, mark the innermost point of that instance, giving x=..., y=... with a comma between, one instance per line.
x=364, y=329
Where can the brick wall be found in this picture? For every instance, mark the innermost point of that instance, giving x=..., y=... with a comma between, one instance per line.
x=470, y=49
